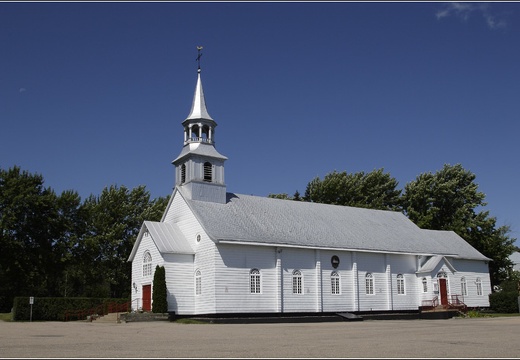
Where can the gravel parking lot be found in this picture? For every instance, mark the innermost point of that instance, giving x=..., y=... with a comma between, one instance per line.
x=460, y=338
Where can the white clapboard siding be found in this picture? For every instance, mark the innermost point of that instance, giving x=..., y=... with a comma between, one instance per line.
x=204, y=255
x=373, y=263
x=344, y=300
x=471, y=270
x=180, y=283
x=138, y=279
x=404, y=265
x=303, y=260
x=233, y=264
x=204, y=261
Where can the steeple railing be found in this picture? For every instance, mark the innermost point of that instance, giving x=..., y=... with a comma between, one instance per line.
x=200, y=140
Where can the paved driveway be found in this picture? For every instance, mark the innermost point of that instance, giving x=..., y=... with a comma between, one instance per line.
x=461, y=338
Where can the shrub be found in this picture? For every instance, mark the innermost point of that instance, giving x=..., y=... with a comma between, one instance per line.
x=504, y=301
x=56, y=309
x=159, y=300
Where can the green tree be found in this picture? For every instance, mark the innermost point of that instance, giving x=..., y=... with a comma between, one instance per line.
x=114, y=221
x=374, y=190
x=449, y=200
x=36, y=226
x=159, y=297
x=284, y=196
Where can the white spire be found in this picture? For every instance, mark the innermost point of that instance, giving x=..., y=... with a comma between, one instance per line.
x=198, y=108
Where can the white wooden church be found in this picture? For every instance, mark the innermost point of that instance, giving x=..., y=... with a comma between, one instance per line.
x=230, y=253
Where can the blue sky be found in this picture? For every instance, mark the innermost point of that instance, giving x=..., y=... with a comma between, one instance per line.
x=93, y=94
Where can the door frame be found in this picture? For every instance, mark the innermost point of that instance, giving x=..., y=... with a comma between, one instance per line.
x=147, y=297
x=443, y=290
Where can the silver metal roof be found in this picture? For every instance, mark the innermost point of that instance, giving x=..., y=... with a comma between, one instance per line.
x=198, y=107
x=168, y=238
x=200, y=148
x=260, y=220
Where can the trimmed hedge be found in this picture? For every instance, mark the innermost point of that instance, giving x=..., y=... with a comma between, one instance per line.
x=504, y=301
x=55, y=309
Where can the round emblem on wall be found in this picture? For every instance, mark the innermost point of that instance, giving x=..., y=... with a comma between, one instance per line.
x=334, y=261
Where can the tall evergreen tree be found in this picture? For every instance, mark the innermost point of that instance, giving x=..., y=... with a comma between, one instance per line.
x=159, y=296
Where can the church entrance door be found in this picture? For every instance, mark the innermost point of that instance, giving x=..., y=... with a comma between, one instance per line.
x=443, y=290
x=147, y=297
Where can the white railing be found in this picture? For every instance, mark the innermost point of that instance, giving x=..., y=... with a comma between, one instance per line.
x=199, y=139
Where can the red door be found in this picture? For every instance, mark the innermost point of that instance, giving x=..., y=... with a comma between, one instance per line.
x=147, y=297
x=443, y=291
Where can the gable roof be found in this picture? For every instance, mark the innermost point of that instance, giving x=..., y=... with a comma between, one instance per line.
x=168, y=238
x=432, y=263
x=267, y=221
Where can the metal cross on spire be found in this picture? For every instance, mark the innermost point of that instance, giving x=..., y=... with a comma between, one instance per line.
x=199, y=48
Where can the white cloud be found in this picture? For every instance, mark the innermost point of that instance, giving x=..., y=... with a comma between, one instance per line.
x=464, y=11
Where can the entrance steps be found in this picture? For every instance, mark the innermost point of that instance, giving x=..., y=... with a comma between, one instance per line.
x=114, y=318
x=350, y=317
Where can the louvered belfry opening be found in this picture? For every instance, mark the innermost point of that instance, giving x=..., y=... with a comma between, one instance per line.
x=183, y=173
x=207, y=171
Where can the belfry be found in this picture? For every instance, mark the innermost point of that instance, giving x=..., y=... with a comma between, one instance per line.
x=199, y=168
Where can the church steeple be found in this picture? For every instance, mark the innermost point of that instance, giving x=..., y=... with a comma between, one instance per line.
x=199, y=169
x=199, y=126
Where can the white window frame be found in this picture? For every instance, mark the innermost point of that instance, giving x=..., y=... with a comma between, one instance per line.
x=147, y=264
x=335, y=288
x=463, y=286
x=478, y=282
x=400, y=285
x=255, y=281
x=424, y=285
x=198, y=282
x=369, y=284
x=297, y=282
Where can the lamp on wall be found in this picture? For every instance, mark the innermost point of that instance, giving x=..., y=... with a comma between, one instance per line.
x=135, y=286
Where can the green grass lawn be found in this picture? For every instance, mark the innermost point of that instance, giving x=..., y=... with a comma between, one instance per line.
x=5, y=316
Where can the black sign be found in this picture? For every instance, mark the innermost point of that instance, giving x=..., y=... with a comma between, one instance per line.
x=334, y=261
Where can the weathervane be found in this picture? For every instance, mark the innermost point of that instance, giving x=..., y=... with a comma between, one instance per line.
x=199, y=48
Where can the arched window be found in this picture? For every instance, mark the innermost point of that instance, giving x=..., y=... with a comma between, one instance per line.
x=183, y=173
x=334, y=283
x=254, y=281
x=208, y=171
x=424, y=285
x=297, y=282
x=195, y=132
x=147, y=264
x=463, y=287
x=369, y=284
x=478, y=282
x=400, y=284
x=198, y=282
x=205, y=133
